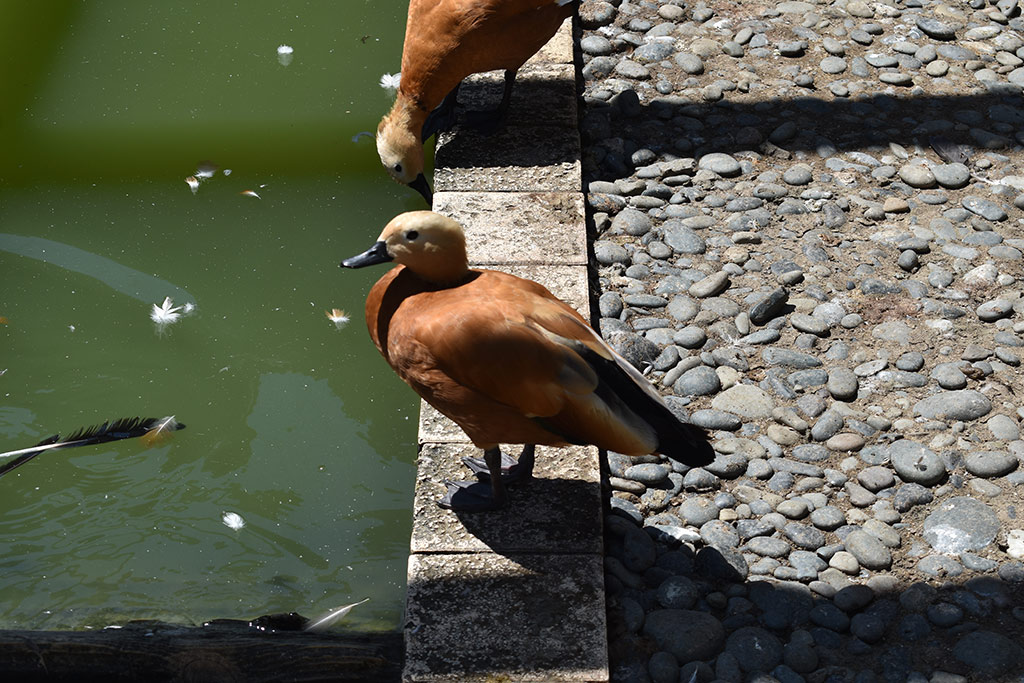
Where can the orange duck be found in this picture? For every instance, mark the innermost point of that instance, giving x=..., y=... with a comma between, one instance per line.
x=506, y=360
x=445, y=41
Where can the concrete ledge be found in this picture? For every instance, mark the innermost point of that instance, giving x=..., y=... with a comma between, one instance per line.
x=516, y=159
x=533, y=98
x=558, y=50
x=517, y=594
x=547, y=609
x=519, y=227
x=535, y=520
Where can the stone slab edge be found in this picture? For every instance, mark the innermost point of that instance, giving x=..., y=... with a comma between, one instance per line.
x=536, y=611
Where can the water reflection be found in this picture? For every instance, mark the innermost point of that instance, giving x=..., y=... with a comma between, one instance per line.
x=295, y=425
x=138, y=285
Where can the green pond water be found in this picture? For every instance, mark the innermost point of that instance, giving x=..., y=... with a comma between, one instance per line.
x=295, y=425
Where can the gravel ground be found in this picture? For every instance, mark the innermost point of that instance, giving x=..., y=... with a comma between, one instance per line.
x=808, y=220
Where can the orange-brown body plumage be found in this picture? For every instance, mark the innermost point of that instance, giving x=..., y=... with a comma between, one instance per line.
x=503, y=357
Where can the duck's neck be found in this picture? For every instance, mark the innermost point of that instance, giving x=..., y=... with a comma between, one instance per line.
x=407, y=115
x=446, y=270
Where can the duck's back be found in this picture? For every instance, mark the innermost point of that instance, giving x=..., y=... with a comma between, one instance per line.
x=447, y=40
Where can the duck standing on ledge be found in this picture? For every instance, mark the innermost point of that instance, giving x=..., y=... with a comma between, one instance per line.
x=507, y=361
x=445, y=41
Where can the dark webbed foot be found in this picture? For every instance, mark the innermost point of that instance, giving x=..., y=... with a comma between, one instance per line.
x=495, y=468
x=469, y=496
x=512, y=471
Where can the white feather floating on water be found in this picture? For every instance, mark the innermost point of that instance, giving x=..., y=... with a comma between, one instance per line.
x=285, y=54
x=338, y=317
x=332, y=617
x=391, y=81
x=233, y=521
x=166, y=313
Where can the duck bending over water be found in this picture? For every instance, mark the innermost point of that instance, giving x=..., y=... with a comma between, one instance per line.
x=506, y=360
x=445, y=41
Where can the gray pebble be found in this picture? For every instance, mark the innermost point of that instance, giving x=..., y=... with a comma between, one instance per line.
x=804, y=536
x=939, y=566
x=868, y=550
x=720, y=163
x=690, y=63
x=687, y=634
x=990, y=464
x=711, y=285
x=961, y=524
x=755, y=648
x=916, y=463
x=909, y=495
x=954, y=405
x=985, y=208
x=935, y=28
x=989, y=654
x=631, y=222
x=768, y=307
x=953, y=176
x=996, y=309
x=700, y=381
x=949, y=376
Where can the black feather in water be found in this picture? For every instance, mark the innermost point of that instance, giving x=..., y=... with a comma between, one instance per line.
x=124, y=428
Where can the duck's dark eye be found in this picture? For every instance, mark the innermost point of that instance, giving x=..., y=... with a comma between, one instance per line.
x=411, y=235
x=398, y=168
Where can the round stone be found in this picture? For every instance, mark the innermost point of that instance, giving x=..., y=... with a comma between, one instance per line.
x=648, y=473
x=917, y=175
x=797, y=174
x=875, y=478
x=990, y=464
x=996, y=309
x=845, y=442
x=986, y=208
x=804, y=536
x=952, y=176
x=700, y=381
x=954, y=405
x=828, y=518
x=720, y=163
x=843, y=384
x=916, y=463
x=869, y=551
x=631, y=222
x=768, y=546
x=896, y=78
x=755, y=648
x=677, y=592
x=690, y=63
x=833, y=65
x=961, y=524
x=687, y=634
x=608, y=253
x=935, y=28
x=988, y=654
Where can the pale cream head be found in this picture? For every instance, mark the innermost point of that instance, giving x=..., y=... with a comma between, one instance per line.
x=399, y=148
x=429, y=244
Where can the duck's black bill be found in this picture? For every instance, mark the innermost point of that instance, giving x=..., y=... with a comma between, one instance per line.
x=378, y=253
x=421, y=186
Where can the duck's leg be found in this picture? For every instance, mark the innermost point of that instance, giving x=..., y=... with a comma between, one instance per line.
x=488, y=122
x=443, y=116
x=466, y=496
x=512, y=471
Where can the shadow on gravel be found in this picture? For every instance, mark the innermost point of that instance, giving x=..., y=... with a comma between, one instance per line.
x=700, y=607
x=612, y=131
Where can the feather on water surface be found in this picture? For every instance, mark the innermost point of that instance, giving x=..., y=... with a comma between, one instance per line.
x=124, y=428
